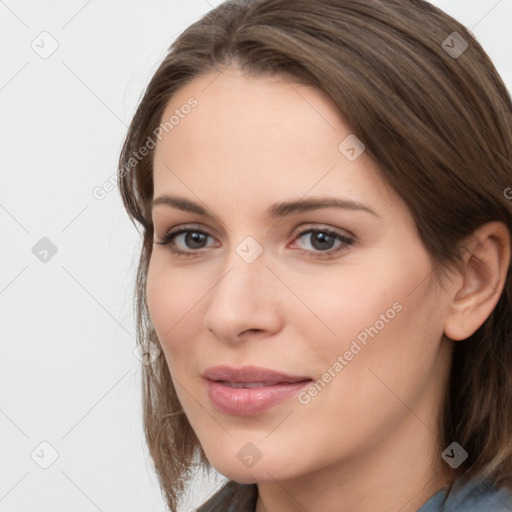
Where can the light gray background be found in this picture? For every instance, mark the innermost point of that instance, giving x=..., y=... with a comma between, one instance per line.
x=68, y=373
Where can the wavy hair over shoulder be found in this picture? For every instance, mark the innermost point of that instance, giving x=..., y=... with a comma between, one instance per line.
x=438, y=125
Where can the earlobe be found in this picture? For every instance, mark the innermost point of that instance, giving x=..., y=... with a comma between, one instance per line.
x=484, y=271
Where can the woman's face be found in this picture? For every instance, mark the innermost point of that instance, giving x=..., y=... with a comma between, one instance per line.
x=341, y=299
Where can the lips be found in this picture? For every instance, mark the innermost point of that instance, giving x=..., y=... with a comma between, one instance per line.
x=250, y=375
x=248, y=385
x=250, y=390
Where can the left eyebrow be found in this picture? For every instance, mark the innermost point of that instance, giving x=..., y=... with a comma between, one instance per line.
x=315, y=203
x=277, y=210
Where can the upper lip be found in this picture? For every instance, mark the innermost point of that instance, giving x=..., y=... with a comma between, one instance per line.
x=250, y=374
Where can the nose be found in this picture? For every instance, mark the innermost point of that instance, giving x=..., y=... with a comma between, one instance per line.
x=245, y=300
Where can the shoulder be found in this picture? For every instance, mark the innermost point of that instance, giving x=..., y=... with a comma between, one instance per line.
x=475, y=495
x=232, y=497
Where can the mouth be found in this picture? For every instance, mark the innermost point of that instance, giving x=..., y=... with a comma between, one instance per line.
x=250, y=390
x=251, y=375
x=250, y=385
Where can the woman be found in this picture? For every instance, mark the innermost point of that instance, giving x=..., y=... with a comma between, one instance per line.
x=325, y=261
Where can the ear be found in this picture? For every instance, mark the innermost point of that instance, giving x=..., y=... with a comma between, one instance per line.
x=482, y=278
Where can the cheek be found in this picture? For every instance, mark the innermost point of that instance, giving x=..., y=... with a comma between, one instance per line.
x=387, y=317
x=174, y=299
x=161, y=303
x=339, y=304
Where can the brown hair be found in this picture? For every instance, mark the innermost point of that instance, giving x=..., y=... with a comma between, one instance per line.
x=439, y=126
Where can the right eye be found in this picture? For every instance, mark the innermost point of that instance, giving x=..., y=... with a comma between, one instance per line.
x=185, y=241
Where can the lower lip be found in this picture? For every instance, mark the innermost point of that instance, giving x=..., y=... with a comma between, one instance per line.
x=251, y=401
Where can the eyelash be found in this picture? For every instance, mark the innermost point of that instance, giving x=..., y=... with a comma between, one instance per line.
x=330, y=253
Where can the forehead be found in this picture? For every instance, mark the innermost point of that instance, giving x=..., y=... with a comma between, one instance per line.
x=260, y=135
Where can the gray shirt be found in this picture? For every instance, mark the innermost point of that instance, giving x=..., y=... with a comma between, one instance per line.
x=477, y=495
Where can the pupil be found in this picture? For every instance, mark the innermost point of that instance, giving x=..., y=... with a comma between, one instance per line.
x=322, y=241
x=194, y=240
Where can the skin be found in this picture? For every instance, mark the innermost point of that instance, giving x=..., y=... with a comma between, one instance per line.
x=368, y=440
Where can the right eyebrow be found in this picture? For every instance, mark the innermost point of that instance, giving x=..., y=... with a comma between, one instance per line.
x=181, y=204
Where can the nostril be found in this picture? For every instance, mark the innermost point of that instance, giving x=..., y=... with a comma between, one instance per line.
x=251, y=330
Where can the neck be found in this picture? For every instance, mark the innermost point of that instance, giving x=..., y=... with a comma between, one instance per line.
x=393, y=475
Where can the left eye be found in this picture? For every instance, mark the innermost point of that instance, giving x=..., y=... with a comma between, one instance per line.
x=324, y=240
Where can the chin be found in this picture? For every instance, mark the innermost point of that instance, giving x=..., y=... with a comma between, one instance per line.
x=265, y=469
